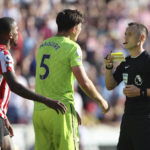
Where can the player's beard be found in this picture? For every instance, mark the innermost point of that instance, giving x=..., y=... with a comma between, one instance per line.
x=15, y=44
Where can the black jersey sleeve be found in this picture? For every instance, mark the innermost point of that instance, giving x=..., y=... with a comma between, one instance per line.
x=118, y=73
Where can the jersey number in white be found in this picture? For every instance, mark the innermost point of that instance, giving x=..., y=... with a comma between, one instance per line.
x=45, y=75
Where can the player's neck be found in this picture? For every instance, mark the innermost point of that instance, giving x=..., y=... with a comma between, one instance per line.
x=65, y=34
x=8, y=45
x=136, y=52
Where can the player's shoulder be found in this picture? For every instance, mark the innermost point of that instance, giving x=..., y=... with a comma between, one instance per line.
x=5, y=56
x=4, y=52
x=71, y=43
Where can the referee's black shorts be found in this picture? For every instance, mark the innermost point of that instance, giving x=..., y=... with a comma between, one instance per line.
x=3, y=130
x=134, y=133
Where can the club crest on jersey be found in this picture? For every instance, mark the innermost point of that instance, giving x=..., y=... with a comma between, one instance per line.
x=8, y=58
x=138, y=80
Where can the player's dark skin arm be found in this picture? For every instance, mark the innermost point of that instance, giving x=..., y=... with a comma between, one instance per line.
x=25, y=93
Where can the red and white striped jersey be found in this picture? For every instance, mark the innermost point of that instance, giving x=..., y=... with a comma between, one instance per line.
x=6, y=64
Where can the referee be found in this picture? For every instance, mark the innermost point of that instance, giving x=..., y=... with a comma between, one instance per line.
x=135, y=72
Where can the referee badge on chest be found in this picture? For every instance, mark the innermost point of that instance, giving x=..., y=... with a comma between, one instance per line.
x=138, y=80
x=125, y=77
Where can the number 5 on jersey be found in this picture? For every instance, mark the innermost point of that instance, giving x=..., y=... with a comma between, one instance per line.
x=45, y=66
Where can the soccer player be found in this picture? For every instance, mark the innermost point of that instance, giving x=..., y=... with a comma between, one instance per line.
x=59, y=61
x=8, y=38
x=135, y=72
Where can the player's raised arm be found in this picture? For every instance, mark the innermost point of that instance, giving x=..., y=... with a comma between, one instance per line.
x=24, y=92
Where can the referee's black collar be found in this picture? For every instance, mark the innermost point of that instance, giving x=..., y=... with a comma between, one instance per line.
x=138, y=55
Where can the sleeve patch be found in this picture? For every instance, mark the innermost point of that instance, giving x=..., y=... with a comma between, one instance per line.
x=79, y=52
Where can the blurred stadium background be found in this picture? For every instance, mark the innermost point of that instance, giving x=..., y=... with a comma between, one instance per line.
x=102, y=32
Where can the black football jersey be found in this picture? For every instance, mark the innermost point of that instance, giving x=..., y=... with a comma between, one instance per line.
x=135, y=71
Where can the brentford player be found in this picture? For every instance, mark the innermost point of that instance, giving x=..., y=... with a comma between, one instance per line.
x=8, y=38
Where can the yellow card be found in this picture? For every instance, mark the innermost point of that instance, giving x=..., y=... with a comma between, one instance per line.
x=118, y=56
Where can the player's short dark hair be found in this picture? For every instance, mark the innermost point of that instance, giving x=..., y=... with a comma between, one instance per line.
x=68, y=18
x=142, y=28
x=6, y=25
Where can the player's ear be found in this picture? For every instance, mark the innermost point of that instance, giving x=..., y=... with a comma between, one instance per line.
x=73, y=29
x=10, y=35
